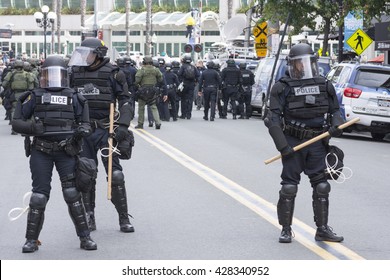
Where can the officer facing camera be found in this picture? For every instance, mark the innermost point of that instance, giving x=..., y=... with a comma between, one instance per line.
x=57, y=117
x=302, y=106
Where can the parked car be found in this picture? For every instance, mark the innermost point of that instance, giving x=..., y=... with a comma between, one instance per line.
x=363, y=91
x=263, y=72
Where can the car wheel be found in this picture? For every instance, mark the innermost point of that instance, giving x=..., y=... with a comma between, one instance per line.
x=377, y=136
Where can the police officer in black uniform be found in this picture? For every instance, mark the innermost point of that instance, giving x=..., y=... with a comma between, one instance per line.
x=209, y=84
x=58, y=118
x=248, y=79
x=102, y=83
x=231, y=82
x=189, y=86
x=172, y=81
x=303, y=106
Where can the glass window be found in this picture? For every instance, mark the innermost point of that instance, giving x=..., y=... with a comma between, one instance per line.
x=345, y=74
x=137, y=3
x=176, y=49
x=371, y=78
x=33, y=4
x=5, y=3
x=183, y=3
x=137, y=47
x=168, y=49
x=28, y=49
x=19, y=4
x=169, y=3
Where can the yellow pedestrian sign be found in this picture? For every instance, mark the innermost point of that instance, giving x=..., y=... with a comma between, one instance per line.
x=359, y=41
x=260, y=33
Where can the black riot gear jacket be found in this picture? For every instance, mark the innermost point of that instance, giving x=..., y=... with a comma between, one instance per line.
x=248, y=78
x=231, y=76
x=209, y=78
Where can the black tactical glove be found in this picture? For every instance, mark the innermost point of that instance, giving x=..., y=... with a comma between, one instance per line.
x=120, y=132
x=334, y=131
x=83, y=130
x=287, y=152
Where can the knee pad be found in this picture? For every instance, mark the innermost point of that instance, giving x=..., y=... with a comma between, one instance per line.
x=118, y=179
x=322, y=189
x=289, y=191
x=38, y=201
x=71, y=194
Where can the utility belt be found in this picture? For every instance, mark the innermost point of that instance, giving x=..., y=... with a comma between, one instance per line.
x=300, y=131
x=48, y=147
x=171, y=86
x=229, y=85
x=211, y=86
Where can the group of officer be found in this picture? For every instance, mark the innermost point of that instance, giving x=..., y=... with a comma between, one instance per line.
x=70, y=123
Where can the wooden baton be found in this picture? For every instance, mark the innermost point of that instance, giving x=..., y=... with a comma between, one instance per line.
x=315, y=139
x=110, y=140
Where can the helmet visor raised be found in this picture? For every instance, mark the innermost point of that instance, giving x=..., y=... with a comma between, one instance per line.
x=303, y=67
x=82, y=56
x=54, y=77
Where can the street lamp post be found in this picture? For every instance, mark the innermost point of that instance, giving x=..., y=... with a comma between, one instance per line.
x=45, y=19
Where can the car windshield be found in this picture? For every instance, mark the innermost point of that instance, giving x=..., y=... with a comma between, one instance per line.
x=370, y=78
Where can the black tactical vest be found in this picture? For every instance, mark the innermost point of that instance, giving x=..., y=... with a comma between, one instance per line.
x=246, y=77
x=305, y=99
x=95, y=86
x=232, y=75
x=55, y=110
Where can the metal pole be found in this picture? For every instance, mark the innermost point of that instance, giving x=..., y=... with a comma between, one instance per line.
x=341, y=45
x=44, y=33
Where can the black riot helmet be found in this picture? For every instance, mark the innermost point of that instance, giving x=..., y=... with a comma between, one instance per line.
x=54, y=73
x=187, y=58
x=120, y=61
x=242, y=65
x=175, y=64
x=161, y=61
x=89, y=50
x=168, y=66
x=302, y=62
x=210, y=65
x=231, y=63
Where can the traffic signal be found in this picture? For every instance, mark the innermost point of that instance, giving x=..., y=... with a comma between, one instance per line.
x=198, y=48
x=188, y=48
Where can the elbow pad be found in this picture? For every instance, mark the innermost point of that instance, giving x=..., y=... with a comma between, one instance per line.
x=125, y=112
x=336, y=119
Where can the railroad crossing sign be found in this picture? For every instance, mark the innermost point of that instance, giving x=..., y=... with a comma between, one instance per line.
x=359, y=41
x=260, y=33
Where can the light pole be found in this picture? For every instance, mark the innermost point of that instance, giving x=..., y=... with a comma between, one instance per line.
x=45, y=19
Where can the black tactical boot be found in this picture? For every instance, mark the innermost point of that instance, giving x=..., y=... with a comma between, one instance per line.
x=139, y=126
x=30, y=246
x=325, y=233
x=91, y=220
x=124, y=223
x=89, y=205
x=119, y=199
x=35, y=218
x=158, y=126
x=87, y=243
x=285, y=235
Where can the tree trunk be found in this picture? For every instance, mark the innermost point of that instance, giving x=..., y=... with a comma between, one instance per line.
x=59, y=7
x=83, y=7
x=148, y=26
x=326, y=36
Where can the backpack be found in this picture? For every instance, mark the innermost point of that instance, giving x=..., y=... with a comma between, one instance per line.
x=189, y=72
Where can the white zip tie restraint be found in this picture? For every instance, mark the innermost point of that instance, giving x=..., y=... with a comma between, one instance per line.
x=20, y=210
x=337, y=172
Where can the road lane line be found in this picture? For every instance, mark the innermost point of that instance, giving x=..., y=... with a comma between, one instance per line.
x=304, y=234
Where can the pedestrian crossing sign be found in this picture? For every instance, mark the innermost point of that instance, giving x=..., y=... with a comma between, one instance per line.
x=359, y=41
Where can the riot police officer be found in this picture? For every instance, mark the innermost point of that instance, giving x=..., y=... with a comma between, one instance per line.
x=102, y=83
x=57, y=117
x=189, y=75
x=172, y=81
x=209, y=84
x=231, y=82
x=248, y=79
x=302, y=106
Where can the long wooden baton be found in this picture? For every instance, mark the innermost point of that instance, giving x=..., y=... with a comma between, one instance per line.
x=111, y=133
x=315, y=139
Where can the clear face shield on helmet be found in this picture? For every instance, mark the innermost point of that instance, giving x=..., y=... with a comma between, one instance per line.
x=54, y=77
x=82, y=56
x=303, y=67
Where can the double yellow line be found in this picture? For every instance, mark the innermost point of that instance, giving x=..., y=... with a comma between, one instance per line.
x=304, y=234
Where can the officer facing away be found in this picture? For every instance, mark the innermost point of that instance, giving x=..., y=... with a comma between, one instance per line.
x=209, y=84
x=303, y=106
x=149, y=80
x=58, y=118
x=231, y=82
x=102, y=83
x=248, y=79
